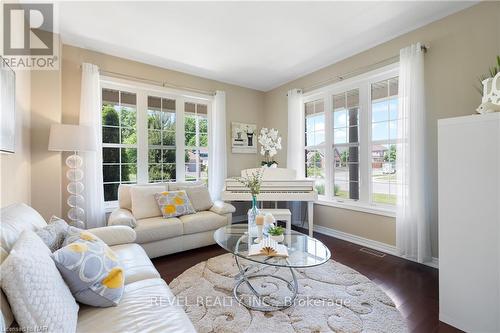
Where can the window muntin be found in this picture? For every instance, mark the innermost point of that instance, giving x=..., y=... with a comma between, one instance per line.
x=384, y=136
x=346, y=145
x=196, y=141
x=315, y=143
x=119, y=137
x=161, y=139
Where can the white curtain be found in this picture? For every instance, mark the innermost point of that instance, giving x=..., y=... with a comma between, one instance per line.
x=412, y=213
x=90, y=115
x=295, y=138
x=295, y=144
x=217, y=156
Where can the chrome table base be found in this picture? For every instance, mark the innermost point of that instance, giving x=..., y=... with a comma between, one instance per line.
x=263, y=302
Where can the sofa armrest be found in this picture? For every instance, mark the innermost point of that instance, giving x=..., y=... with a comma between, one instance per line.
x=222, y=208
x=114, y=235
x=122, y=216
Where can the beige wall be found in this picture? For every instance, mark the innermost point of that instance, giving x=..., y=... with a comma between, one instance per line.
x=242, y=104
x=15, y=168
x=462, y=46
x=46, y=170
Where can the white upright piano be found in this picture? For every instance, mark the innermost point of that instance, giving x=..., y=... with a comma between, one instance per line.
x=278, y=184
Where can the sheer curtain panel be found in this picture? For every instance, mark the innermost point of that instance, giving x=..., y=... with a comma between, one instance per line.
x=90, y=115
x=217, y=155
x=412, y=209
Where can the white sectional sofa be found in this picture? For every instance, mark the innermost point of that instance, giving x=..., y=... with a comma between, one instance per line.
x=147, y=304
x=159, y=236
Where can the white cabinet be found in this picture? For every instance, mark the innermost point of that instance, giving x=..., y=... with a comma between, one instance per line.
x=469, y=222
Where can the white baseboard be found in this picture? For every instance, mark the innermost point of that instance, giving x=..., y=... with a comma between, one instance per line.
x=372, y=244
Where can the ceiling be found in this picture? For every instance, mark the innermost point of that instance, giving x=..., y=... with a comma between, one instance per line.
x=258, y=45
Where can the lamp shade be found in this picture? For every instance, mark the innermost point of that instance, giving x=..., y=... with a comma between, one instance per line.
x=71, y=138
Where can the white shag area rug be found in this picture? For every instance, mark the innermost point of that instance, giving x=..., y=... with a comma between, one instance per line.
x=331, y=298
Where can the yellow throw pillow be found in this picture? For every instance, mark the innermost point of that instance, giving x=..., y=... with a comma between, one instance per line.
x=174, y=203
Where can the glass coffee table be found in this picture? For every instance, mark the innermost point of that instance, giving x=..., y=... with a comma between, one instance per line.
x=303, y=252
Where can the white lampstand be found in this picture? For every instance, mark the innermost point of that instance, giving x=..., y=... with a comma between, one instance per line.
x=76, y=139
x=75, y=189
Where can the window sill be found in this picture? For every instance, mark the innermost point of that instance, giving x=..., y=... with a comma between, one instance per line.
x=365, y=208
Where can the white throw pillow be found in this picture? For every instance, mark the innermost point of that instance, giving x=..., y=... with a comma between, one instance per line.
x=143, y=201
x=199, y=197
x=39, y=298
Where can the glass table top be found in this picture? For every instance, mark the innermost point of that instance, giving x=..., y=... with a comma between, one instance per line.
x=303, y=251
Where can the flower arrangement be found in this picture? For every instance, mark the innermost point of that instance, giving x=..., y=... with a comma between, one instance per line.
x=252, y=182
x=270, y=142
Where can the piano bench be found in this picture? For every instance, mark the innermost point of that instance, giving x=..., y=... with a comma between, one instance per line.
x=280, y=215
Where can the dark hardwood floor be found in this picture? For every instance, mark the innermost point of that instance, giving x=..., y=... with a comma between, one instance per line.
x=412, y=287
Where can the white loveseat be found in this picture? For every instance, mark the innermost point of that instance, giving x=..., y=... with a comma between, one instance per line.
x=160, y=236
x=147, y=304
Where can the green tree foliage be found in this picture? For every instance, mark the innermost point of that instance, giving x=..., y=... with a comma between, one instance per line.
x=390, y=155
x=124, y=121
x=110, y=116
x=344, y=157
x=190, y=130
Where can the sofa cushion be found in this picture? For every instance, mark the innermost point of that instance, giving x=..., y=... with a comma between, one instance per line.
x=135, y=262
x=14, y=220
x=36, y=291
x=198, y=195
x=156, y=228
x=92, y=271
x=143, y=201
x=174, y=203
x=202, y=221
x=146, y=306
x=124, y=195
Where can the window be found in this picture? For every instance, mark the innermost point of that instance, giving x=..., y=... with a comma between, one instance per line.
x=346, y=145
x=384, y=106
x=196, y=141
x=350, y=139
x=119, y=138
x=161, y=139
x=315, y=143
x=152, y=134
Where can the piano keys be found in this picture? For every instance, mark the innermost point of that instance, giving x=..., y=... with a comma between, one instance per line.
x=278, y=184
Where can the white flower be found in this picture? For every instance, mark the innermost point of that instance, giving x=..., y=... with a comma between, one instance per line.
x=270, y=141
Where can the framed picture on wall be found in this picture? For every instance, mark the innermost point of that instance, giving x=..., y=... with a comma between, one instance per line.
x=7, y=108
x=244, y=138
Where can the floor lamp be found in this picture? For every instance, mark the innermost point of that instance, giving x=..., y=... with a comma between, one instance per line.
x=74, y=138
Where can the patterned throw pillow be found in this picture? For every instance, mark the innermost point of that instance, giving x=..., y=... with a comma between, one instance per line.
x=174, y=203
x=91, y=269
x=54, y=233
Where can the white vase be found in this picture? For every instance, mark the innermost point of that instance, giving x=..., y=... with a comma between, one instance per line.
x=279, y=238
